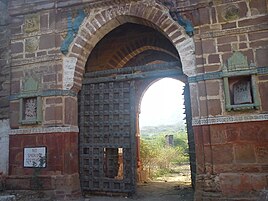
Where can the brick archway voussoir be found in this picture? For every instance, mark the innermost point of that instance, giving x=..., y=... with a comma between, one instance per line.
x=95, y=27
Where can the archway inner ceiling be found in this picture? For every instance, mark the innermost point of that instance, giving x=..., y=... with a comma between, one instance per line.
x=131, y=45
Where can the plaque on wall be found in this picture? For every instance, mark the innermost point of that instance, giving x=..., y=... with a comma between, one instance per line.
x=242, y=92
x=35, y=157
x=240, y=84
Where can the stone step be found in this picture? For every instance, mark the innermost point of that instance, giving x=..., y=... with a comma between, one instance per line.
x=7, y=198
x=264, y=196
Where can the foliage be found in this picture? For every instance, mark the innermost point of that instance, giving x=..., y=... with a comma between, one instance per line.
x=157, y=156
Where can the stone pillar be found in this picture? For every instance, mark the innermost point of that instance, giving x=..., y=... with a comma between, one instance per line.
x=4, y=146
x=4, y=87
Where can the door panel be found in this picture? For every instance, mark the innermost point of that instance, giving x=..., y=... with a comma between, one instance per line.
x=107, y=137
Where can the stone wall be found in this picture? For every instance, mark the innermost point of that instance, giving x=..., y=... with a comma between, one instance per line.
x=4, y=146
x=231, y=145
x=37, y=87
x=4, y=61
x=4, y=87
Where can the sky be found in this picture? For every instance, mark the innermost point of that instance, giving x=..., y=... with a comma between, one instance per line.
x=162, y=103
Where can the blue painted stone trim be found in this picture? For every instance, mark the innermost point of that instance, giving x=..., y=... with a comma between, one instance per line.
x=73, y=28
x=219, y=75
x=43, y=94
x=262, y=70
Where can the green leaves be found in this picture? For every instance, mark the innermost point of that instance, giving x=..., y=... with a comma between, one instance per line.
x=157, y=156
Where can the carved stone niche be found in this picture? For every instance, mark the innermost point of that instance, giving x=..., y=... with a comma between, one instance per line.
x=30, y=103
x=240, y=85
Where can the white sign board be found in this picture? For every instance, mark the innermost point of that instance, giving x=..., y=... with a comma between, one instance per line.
x=35, y=157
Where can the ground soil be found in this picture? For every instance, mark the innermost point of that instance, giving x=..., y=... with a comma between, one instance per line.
x=171, y=187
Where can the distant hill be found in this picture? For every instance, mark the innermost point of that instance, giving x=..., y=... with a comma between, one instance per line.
x=150, y=131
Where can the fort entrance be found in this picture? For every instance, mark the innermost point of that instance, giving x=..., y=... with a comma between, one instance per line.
x=72, y=74
x=110, y=99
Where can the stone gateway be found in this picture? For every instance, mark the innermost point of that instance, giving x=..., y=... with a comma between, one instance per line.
x=73, y=73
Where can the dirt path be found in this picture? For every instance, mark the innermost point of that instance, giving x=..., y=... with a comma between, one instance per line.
x=154, y=191
x=173, y=187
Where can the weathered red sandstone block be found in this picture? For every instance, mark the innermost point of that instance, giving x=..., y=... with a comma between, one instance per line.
x=14, y=114
x=263, y=77
x=238, y=168
x=16, y=47
x=262, y=153
x=222, y=154
x=152, y=14
x=258, y=181
x=204, y=16
x=157, y=16
x=49, y=78
x=232, y=133
x=243, y=45
x=242, y=38
x=208, y=88
x=30, y=55
x=206, y=135
x=258, y=7
x=249, y=133
x=53, y=113
x=226, y=56
x=17, y=183
x=244, y=153
x=226, y=39
x=53, y=100
x=198, y=48
x=15, y=87
x=200, y=160
x=214, y=107
x=47, y=41
x=200, y=61
x=224, y=48
x=212, y=68
x=213, y=58
x=198, y=138
x=203, y=108
x=230, y=183
x=100, y=19
x=254, y=21
x=71, y=111
x=166, y=23
x=229, y=25
x=209, y=46
x=44, y=21
x=262, y=35
x=263, y=88
x=172, y=29
x=217, y=135
x=258, y=44
x=261, y=57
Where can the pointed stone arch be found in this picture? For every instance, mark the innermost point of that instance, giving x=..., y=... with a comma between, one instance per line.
x=101, y=22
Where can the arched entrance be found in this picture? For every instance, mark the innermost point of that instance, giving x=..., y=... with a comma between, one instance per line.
x=119, y=59
x=188, y=118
